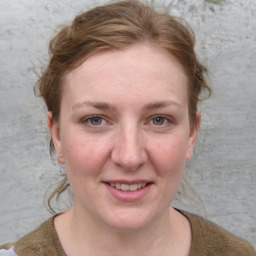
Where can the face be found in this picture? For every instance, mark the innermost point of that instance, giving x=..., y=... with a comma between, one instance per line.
x=124, y=133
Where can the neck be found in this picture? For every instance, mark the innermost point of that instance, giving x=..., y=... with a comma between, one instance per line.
x=86, y=236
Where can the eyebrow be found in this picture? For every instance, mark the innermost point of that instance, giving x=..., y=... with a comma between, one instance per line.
x=98, y=105
x=160, y=104
x=107, y=106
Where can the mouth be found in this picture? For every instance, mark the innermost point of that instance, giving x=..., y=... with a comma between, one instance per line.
x=128, y=191
x=129, y=187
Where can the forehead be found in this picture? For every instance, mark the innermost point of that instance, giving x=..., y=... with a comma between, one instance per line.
x=139, y=69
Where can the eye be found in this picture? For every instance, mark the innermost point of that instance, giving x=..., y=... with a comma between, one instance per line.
x=158, y=120
x=95, y=120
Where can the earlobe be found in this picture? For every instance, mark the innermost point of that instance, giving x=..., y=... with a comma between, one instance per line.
x=55, y=132
x=193, y=136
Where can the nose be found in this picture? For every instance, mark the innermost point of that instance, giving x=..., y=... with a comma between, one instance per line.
x=129, y=151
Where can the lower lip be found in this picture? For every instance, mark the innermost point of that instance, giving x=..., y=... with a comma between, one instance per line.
x=128, y=196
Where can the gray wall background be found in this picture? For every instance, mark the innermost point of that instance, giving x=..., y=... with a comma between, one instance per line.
x=223, y=168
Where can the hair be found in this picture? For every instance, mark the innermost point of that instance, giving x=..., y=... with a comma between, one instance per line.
x=118, y=26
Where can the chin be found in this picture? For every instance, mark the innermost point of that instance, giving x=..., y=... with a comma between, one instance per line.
x=128, y=220
x=127, y=225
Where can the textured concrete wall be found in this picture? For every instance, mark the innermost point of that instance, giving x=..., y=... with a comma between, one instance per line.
x=223, y=168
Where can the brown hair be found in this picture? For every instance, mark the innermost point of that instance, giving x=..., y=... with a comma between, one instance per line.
x=116, y=26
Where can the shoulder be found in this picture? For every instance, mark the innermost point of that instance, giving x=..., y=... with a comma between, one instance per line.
x=42, y=241
x=214, y=240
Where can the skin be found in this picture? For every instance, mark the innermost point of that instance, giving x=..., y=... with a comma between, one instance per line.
x=124, y=116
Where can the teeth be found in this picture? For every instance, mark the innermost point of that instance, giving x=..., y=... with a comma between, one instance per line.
x=127, y=187
x=133, y=187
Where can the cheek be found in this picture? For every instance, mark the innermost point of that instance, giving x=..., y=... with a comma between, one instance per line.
x=169, y=156
x=85, y=156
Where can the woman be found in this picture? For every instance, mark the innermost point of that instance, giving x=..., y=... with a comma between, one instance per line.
x=122, y=88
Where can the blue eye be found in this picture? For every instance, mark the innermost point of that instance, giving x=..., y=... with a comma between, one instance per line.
x=95, y=120
x=158, y=120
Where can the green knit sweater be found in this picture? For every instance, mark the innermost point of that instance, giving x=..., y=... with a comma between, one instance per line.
x=208, y=239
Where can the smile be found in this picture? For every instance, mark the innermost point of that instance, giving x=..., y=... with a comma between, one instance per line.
x=127, y=187
x=128, y=191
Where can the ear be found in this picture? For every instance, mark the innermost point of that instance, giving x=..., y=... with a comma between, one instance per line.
x=55, y=132
x=193, y=136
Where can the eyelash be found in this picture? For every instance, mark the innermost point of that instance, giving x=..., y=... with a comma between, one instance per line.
x=166, y=121
x=87, y=120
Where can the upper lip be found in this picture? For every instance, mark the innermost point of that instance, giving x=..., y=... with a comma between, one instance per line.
x=129, y=182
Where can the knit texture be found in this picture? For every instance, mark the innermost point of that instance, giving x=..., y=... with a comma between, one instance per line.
x=208, y=239
x=43, y=241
